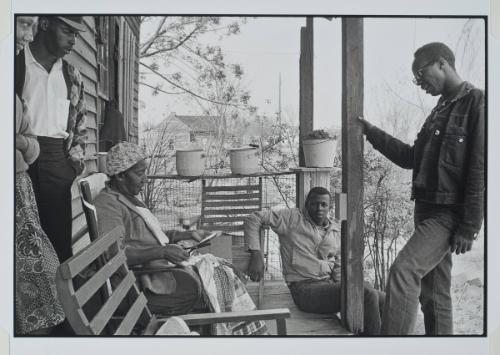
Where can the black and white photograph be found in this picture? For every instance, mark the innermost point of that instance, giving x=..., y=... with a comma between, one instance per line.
x=181, y=177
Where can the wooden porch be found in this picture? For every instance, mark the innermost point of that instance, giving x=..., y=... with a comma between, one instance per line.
x=275, y=292
x=277, y=295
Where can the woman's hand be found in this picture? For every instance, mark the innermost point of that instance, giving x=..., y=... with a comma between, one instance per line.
x=21, y=143
x=196, y=235
x=174, y=253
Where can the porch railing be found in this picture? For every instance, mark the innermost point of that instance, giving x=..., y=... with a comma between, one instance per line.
x=176, y=201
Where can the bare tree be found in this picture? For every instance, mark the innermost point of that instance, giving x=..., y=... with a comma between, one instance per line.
x=155, y=142
x=180, y=55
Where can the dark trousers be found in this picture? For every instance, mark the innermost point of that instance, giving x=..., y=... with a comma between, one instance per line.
x=324, y=297
x=52, y=175
x=188, y=295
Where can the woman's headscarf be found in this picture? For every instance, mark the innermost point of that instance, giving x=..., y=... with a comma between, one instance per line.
x=123, y=156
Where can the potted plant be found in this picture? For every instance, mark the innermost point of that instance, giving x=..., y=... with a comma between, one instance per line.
x=319, y=149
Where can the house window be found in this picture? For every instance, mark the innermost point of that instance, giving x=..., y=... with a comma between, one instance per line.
x=103, y=57
x=192, y=137
x=171, y=144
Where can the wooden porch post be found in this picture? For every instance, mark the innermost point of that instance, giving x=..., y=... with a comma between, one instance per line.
x=308, y=178
x=352, y=174
x=306, y=84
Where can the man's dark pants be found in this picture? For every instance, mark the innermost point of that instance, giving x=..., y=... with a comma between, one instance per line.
x=52, y=176
x=324, y=297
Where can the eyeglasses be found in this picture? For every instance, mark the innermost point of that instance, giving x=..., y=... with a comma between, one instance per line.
x=417, y=80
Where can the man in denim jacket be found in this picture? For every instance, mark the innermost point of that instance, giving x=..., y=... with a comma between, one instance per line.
x=448, y=187
x=310, y=254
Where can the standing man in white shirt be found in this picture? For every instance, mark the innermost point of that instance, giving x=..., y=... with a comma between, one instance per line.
x=53, y=89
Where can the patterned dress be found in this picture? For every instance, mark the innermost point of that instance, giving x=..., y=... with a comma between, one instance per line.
x=37, y=305
x=36, y=262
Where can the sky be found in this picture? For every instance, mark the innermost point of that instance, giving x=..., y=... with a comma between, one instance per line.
x=268, y=47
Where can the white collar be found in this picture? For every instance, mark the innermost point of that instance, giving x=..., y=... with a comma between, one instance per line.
x=31, y=59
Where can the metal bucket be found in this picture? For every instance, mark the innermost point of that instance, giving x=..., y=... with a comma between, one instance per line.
x=244, y=160
x=190, y=162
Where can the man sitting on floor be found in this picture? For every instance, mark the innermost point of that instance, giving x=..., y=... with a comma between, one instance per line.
x=310, y=253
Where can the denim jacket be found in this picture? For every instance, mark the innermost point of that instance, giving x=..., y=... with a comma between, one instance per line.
x=459, y=179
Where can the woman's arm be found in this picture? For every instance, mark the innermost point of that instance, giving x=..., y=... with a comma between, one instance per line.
x=26, y=142
x=172, y=253
x=111, y=214
x=176, y=236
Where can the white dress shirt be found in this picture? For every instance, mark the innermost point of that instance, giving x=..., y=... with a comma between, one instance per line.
x=46, y=95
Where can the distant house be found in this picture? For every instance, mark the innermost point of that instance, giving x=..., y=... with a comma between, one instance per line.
x=177, y=132
x=180, y=131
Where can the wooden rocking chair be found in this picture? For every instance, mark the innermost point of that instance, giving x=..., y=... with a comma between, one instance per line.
x=123, y=310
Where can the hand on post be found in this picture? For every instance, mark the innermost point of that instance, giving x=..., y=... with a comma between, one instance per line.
x=365, y=125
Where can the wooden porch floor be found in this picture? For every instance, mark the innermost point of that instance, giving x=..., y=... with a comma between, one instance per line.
x=277, y=295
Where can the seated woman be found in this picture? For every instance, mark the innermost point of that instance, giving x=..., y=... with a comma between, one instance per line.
x=176, y=291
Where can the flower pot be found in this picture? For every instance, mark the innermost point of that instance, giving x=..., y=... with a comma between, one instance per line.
x=244, y=160
x=190, y=162
x=319, y=153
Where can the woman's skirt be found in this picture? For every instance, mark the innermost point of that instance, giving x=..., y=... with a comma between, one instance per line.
x=37, y=305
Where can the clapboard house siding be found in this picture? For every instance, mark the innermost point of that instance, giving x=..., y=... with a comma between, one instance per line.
x=134, y=24
x=84, y=58
x=122, y=33
x=135, y=97
x=109, y=65
x=89, y=36
x=130, y=76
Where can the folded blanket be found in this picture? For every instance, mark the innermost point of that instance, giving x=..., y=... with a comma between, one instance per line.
x=226, y=293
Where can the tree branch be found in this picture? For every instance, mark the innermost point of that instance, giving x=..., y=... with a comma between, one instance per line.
x=400, y=97
x=163, y=91
x=184, y=40
x=150, y=42
x=187, y=90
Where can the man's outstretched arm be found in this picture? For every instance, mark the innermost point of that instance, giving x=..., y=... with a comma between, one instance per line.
x=278, y=221
x=392, y=148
